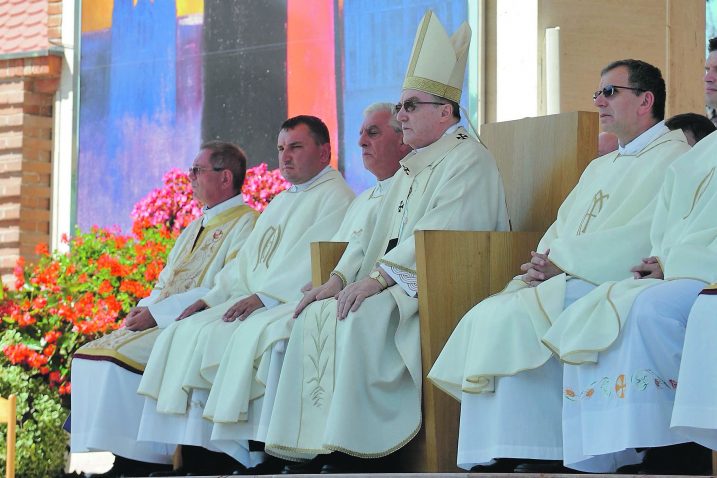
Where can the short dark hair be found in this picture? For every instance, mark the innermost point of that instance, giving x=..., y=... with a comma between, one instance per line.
x=228, y=156
x=646, y=77
x=317, y=128
x=455, y=107
x=712, y=44
x=699, y=125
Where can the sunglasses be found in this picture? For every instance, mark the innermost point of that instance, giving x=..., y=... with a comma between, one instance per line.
x=409, y=106
x=610, y=90
x=195, y=170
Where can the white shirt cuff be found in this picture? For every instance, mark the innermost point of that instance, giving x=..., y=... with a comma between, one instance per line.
x=405, y=280
x=268, y=302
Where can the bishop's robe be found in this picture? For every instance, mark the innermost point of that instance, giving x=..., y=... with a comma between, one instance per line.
x=602, y=225
x=274, y=263
x=355, y=385
x=237, y=403
x=629, y=372
x=107, y=371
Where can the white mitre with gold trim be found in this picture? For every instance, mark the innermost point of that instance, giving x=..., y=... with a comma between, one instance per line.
x=438, y=63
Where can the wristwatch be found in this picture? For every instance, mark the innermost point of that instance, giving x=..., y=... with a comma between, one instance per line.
x=376, y=275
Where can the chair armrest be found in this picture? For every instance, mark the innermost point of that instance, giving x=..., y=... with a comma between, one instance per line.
x=324, y=257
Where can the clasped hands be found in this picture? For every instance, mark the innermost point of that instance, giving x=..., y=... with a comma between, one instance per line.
x=649, y=268
x=241, y=310
x=539, y=269
x=139, y=318
x=349, y=298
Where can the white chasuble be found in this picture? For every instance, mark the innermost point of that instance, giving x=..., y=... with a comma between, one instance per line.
x=195, y=260
x=274, y=262
x=602, y=229
x=240, y=376
x=355, y=385
x=105, y=372
x=684, y=240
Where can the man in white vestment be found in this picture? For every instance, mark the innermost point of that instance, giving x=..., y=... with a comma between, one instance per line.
x=495, y=363
x=351, y=377
x=106, y=409
x=622, y=342
x=268, y=272
x=239, y=414
x=695, y=126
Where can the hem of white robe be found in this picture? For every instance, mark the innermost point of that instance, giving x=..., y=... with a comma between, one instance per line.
x=109, y=390
x=697, y=424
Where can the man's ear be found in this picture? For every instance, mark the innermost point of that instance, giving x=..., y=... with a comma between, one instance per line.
x=227, y=178
x=326, y=154
x=648, y=101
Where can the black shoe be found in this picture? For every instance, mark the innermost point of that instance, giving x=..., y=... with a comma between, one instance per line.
x=542, y=466
x=501, y=465
x=681, y=459
x=270, y=466
x=311, y=467
x=128, y=467
x=181, y=471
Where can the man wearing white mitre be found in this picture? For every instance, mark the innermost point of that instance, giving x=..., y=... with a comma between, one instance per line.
x=269, y=271
x=106, y=372
x=495, y=362
x=351, y=378
x=225, y=380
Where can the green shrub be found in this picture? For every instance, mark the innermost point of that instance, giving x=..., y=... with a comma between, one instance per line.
x=41, y=442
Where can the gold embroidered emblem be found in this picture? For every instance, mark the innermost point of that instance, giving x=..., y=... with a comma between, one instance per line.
x=598, y=203
x=218, y=234
x=701, y=187
x=267, y=246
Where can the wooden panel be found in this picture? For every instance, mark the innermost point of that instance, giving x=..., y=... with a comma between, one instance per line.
x=8, y=407
x=324, y=257
x=456, y=270
x=685, y=57
x=541, y=160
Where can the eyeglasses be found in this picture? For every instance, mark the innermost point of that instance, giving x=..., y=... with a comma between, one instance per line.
x=610, y=90
x=409, y=106
x=195, y=170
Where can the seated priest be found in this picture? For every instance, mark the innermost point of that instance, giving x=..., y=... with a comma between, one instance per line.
x=350, y=385
x=495, y=362
x=268, y=272
x=106, y=372
x=241, y=381
x=622, y=342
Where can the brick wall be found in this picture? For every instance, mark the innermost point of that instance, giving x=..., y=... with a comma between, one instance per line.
x=29, y=79
x=27, y=92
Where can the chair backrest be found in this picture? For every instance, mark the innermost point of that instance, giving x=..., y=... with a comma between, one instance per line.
x=541, y=160
x=8, y=407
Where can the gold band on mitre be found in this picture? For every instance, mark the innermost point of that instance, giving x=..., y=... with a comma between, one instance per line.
x=438, y=63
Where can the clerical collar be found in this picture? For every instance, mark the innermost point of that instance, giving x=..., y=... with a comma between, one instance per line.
x=451, y=129
x=647, y=137
x=381, y=187
x=210, y=213
x=297, y=188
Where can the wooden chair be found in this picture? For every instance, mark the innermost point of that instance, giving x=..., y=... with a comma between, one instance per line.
x=8, y=407
x=541, y=160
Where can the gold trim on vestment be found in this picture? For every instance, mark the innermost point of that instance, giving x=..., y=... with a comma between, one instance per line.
x=701, y=187
x=432, y=87
x=397, y=266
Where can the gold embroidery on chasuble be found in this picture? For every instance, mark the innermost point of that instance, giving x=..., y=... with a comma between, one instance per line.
x=700, y=190
x=267, y=246
x=190, y=269
x=598, y=202
x=319, y=334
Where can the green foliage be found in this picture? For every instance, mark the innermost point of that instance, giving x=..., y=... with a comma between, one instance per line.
x=41, y=442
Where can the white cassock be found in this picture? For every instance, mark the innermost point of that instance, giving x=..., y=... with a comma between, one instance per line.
x=694, y=415
x=106, y=372
x=355, y=385
x=622, y=343
x=274, y=264
x=602, y=225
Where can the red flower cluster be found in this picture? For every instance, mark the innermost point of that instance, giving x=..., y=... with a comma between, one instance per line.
x=67, y=299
